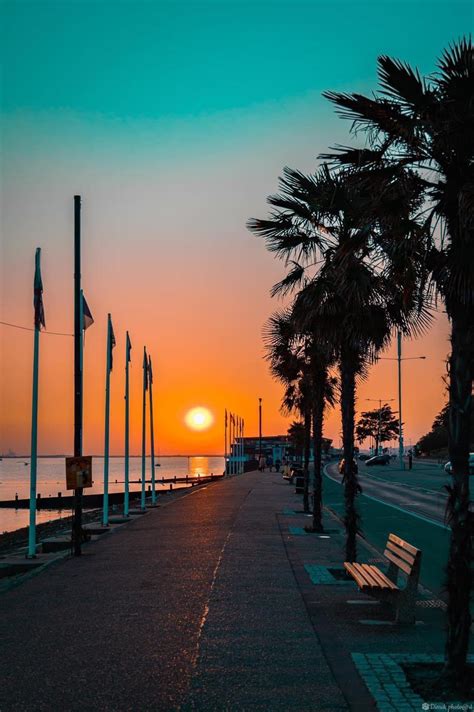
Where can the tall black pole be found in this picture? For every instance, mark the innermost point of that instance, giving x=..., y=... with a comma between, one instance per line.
x=77, y=531
x=260, y=427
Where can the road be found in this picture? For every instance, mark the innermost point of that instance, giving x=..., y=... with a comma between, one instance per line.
x=419, y=491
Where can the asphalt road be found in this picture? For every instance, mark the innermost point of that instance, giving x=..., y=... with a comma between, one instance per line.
x=419, y=490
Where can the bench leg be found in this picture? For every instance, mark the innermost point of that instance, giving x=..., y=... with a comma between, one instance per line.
x=405, y=608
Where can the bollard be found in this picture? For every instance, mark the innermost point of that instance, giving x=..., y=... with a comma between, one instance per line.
x=171, y=486
x=59, y=495
x=149, y=488
x=187, y=478
x=175, y=478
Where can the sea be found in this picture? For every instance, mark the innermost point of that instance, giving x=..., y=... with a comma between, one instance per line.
x=51, y=480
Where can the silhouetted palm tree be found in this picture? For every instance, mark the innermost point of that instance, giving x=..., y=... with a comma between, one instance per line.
x=287, y=352
x=428, y=125
x=334, y=227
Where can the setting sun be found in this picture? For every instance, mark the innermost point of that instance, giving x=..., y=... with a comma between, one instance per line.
x=199, y=418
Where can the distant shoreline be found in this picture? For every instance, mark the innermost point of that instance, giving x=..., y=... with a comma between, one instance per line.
x=59, y=457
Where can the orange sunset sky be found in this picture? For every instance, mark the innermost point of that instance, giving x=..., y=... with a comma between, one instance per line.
x=174, y=126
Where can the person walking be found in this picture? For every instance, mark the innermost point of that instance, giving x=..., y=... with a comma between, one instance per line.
x=261, y=464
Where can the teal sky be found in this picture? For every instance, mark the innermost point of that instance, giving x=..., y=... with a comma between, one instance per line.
x=173, y=120
x=149, y=60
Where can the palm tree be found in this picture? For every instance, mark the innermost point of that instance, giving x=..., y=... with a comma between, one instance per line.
x=334, y=226
x=428, y=125
x=286, y=350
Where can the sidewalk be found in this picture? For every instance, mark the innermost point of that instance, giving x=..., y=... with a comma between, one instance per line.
x=205, y=604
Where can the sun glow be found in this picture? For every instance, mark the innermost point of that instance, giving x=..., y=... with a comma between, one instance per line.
x=199, y=419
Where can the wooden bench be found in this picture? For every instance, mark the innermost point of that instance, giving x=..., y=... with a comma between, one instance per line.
x=401, y=556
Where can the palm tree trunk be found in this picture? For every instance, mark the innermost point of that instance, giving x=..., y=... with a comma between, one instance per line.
x=460, y=550
x=351, y=485
x=318, y=418
x=307, y=449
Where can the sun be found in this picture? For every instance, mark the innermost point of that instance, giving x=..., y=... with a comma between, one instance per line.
x=199, y=418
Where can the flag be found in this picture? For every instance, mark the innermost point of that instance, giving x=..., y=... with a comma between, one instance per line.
x=145, y=369
x=87, y=318
x=38, y=292
x=225, y=418
x=111, y=342
x=128, y=348
x=150, y=372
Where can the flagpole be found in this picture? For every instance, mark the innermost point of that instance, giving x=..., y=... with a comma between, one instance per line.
x=77, y=521
x=145, y=381
x=105, y=519
x=232, y=443
x=34, y=428
x=225, y=442
x=231, y=422
x=81, y=351
x=240, y=448
x=126, y=498
x=152, y=436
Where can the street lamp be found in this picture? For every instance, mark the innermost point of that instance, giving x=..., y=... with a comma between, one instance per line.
x=379, y=401
x=399, y=359
x=259, y=428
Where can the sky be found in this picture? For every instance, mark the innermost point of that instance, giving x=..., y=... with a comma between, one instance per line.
x=173, y=121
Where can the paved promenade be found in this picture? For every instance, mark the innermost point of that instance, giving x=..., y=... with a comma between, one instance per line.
x=203, y=604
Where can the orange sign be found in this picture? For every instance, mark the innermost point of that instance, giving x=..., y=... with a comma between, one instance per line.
x=78, y=472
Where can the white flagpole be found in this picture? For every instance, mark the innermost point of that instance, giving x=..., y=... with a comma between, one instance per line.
x=241, y=448
x=231, y=440
x=236, y=446
x=225, y=442
x=105, y=514
x=152, y=436
x=126, y=498
x=81, y=357
x=34, y=428
x=145, y=385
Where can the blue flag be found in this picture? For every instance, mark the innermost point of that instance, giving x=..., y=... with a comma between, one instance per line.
x=145, y=369
x=150, y=372
x=111, y=341
x=87, y=318
x=38, y=292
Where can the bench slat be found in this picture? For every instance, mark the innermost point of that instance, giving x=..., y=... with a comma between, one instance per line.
x=398, y=562
x=403, y=544
x=401, y=553
x=371, y=578
x=383, y=579
x=359, y=578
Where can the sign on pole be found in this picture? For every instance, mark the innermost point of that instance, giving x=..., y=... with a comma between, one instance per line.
x=78, y=472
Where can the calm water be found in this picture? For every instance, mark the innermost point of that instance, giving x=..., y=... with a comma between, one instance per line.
x=14, y=479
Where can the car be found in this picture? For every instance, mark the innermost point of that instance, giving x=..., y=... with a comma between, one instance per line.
x=378, y=460
x=448, y=468
x=363, y=456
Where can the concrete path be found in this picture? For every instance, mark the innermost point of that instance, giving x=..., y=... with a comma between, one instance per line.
x=194, y=606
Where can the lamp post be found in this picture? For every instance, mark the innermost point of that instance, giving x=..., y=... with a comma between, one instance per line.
x=399, y=360
x=259, y=428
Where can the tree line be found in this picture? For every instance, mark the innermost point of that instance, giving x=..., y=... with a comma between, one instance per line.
x=373, y=240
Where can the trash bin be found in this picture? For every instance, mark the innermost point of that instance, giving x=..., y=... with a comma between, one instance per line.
x=299, y=484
